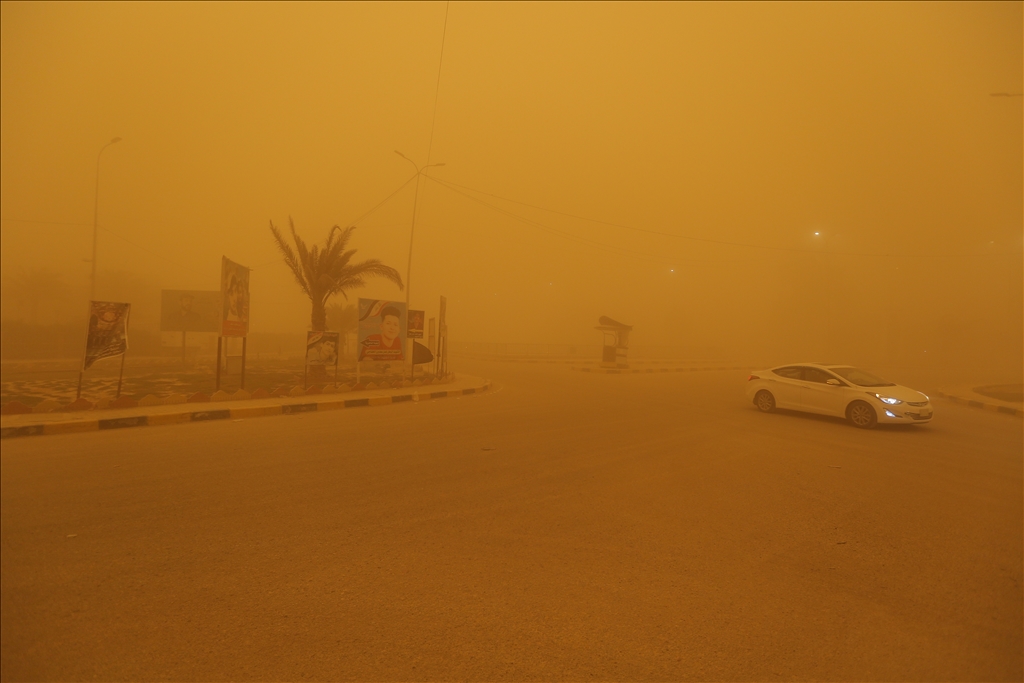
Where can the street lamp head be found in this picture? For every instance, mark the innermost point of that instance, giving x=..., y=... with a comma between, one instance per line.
x=115, y=140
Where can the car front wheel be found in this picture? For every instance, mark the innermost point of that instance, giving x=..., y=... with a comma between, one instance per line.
x=862, y=415
x=764, y=401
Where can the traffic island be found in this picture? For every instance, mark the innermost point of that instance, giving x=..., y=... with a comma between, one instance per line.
x=652, y=370
x=39, y=424
x=993, y=398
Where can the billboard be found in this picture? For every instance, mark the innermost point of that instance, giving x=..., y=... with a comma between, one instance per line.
x=234, y=290
x=108, y=331
x=322, y=348
x=382, y=330
x=190, y=311
x=415, y=325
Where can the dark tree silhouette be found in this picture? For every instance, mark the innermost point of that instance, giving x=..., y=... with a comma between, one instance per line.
x=323, y=271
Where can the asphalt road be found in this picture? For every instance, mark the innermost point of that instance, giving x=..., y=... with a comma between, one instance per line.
x=564, y=526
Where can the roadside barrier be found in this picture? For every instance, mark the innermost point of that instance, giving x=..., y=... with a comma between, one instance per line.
x=974, y=403
x=89, y=425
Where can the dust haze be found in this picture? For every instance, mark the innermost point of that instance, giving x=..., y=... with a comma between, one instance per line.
x=762, y=182
x=734, y=295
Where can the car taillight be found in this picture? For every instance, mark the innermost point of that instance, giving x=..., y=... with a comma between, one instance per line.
x=753, y=377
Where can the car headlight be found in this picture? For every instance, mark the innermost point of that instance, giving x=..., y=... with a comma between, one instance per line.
x=888, y=399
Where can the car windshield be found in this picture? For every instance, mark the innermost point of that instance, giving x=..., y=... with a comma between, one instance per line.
x=861, y=378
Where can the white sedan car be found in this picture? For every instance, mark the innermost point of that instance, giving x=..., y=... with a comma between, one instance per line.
x=840, y=390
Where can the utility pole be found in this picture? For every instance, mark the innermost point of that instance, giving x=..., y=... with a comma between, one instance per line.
x=96, y=216
x=412, y=232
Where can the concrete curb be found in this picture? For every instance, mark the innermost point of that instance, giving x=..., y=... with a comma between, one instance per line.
x=644, y=371
x=974, y=403
x=328, y=402
x=559, y=361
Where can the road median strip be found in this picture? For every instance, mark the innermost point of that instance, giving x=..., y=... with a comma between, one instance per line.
x=154, y=419
x=975, y=403
x=645, y=371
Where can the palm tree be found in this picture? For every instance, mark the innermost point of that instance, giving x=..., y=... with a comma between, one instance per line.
x=325, y=271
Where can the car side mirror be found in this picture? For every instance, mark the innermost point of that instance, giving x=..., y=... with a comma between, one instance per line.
x=833, y=383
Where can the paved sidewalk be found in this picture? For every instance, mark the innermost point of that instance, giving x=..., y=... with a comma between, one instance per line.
x=38, y=424
x=966, y=395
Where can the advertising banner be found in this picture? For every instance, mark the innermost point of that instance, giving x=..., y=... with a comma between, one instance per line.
x=108, y=331
x=322, y=348
x=415, y=326
x=234, y=291
x=442, y=339
x=382, y=330
x=190, y=311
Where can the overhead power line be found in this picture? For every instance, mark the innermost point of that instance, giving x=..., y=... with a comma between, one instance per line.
x=357, y=220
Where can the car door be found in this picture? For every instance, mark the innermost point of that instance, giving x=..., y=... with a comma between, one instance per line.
x=786, y=386
x=818, y=395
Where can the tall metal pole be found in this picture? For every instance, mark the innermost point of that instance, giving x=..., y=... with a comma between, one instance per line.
x=412, y=233
x=96, y=216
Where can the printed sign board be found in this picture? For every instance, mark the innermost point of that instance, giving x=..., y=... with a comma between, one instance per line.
x=382, y=330
x=234, y=290
x=190, y=311
x=415, y=325
x=322, y=348
x=108, y=331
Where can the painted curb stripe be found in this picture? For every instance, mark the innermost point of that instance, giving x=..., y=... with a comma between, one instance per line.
x=119, y=422
x=288, y=409
x=71, y=427
x=170, y=419
x=27, y=430
x=206, y=415
x=1006, y=410
x=202, y=415
x=255, y=412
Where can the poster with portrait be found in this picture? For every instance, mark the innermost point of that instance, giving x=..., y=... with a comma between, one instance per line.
x=190, y=311
x=415, y=325
x=234, y=291
x=108, y=331
x=322, y=348
x=382, y=330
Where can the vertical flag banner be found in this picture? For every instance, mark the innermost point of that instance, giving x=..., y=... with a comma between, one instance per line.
x=442, y=338
x=415, y=326
x=382, y=330
x=108, y=331
x=322, y=348
x=234, y=291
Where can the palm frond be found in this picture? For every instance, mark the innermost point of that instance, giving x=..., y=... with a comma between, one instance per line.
x=323, y=271
x=290, y=258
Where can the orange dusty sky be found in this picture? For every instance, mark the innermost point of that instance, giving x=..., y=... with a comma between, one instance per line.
x=664, y=164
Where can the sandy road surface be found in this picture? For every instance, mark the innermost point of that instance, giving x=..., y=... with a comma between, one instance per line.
x=562, y=526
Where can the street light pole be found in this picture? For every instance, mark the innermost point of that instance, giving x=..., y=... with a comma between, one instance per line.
x=96, y=215
x=412, y=232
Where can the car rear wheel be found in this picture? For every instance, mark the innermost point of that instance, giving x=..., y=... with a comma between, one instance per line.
x=764, y=401
x=862, y=415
